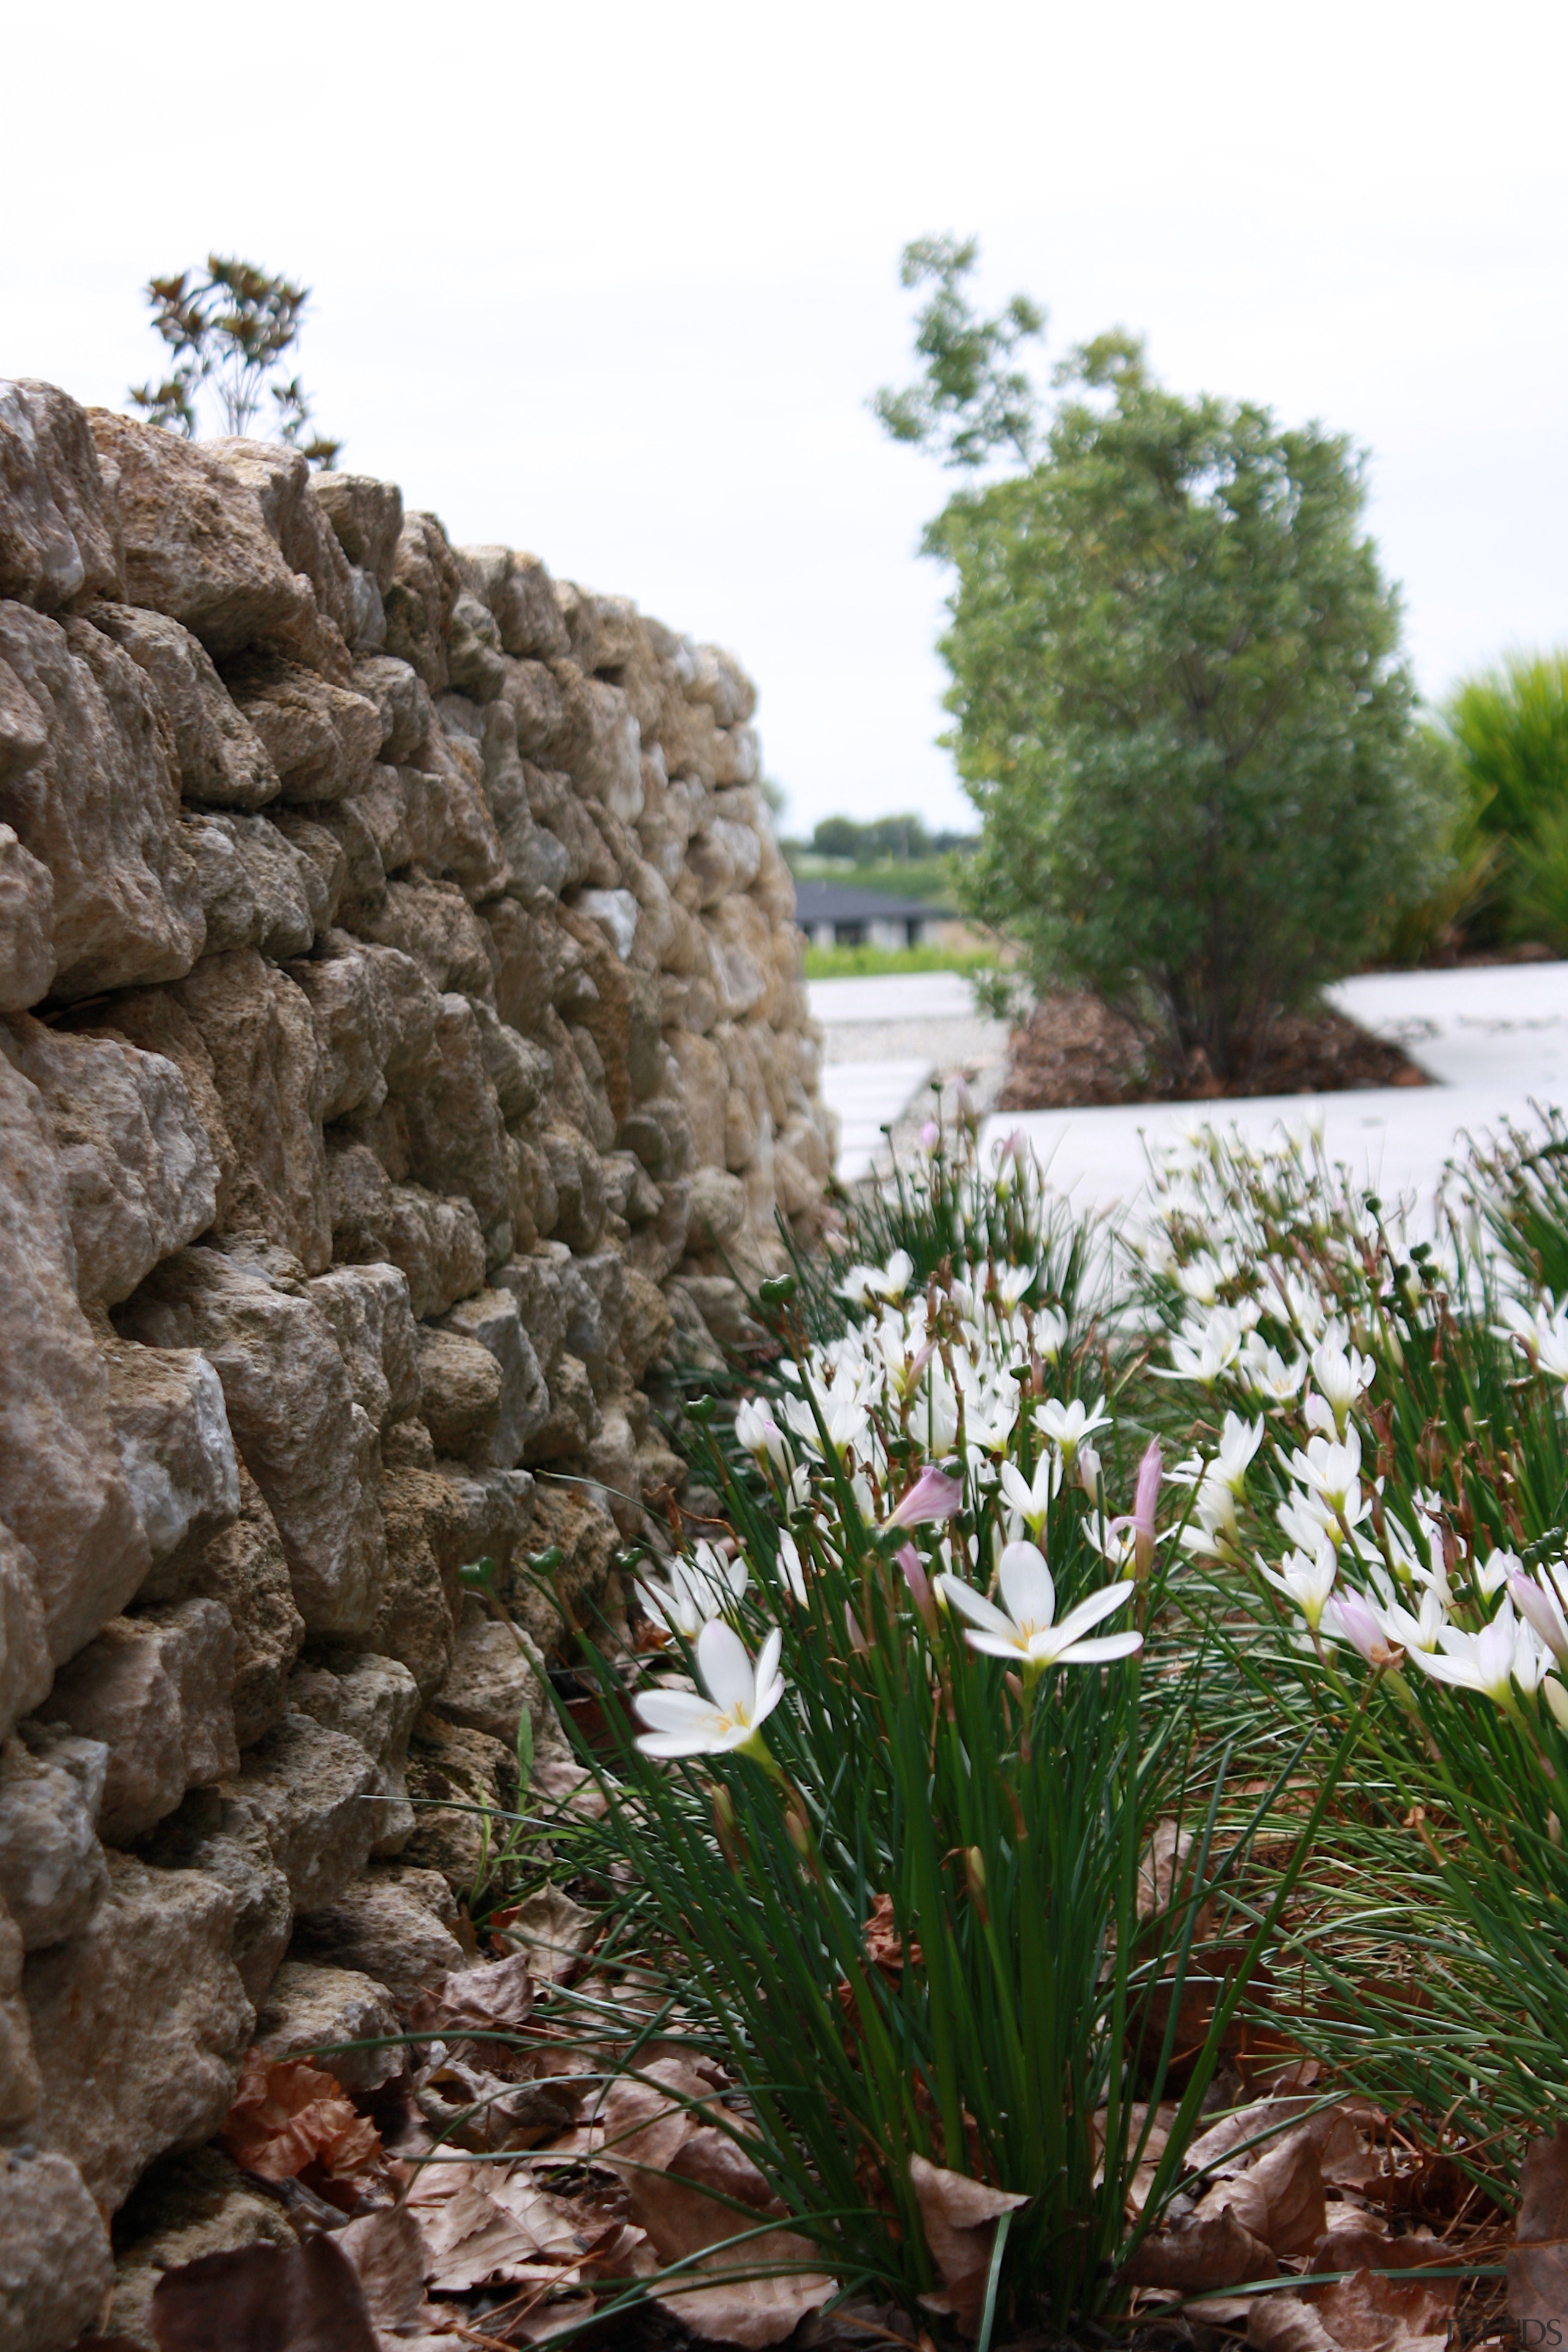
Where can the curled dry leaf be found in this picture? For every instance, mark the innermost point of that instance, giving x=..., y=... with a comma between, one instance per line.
x=885, y=1948
x=959, y=2217
x=1217, y=2252
x=391, y=2259
x=303, y=2298
x=549, y=1933
x=684, y=2176
x=1537, y=2261
x=497, y=1996
x=1283, y=2323
x=287, y=2115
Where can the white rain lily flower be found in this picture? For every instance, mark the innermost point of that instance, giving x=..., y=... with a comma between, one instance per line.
x=1342, y=1374
x=1239, y=1442
x=1050, y=1333
x=1503, y=1653
x=1423, y=1631
x=1010, y=1282
x=739, y=1697
x=1267, y=1373
x=1303, y=1308
x=1214, y=1352
x=1495, y=1569
x=1212, y=1532
x=1025, y=1632
x=864, y=1283
x=791, y=1575
x=1542, y=1336
x=1067, y=1425
x=1202, y=1277
x=1028, y=1501
x=758, y=1432
x=1089, y=1471
x=1331, y=1469
x=696, y=1590
x=1306, y=1580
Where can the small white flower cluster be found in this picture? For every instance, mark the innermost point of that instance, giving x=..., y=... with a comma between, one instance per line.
x=1385, y=1571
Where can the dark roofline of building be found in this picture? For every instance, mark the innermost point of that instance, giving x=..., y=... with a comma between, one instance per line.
x=838, y=902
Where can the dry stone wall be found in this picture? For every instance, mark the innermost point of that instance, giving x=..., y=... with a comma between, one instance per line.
x=400, y=1034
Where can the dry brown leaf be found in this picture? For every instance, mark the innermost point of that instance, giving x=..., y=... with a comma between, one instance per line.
x=392, y=2261
x=1377, y=2311
x=287, y=2115
x=885, y=1948
x=550, y=1932
x=1537, y=2261
x=679, y=2168
x=1283, y=2323
x=1278, y=2198
x=263, y=2298
x=959, y=2217
x=1217, y=2252
x=497, y=1994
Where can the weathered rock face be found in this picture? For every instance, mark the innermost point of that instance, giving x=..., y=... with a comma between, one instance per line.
x=399, y=1012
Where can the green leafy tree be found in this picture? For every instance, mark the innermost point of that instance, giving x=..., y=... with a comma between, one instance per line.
x=227, y=333
x=1179, y=707
x=1510, y=732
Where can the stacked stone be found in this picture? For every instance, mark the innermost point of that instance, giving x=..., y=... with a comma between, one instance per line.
x=404, y=1036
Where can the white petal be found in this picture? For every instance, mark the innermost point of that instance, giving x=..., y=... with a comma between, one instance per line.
x=975, y=1607
x=675, y=1710
x=1027, y=1585
x=998, y=1645
x=725, y=1668
x=1089, y=1612
x=1103, y=1645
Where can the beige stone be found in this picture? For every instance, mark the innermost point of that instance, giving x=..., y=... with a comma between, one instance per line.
x=286, y=493
x=310, y=1791
x=21, y=2090
x=59, y=535
x=27, y=925
x=367, y=1309
x=290, y=1406
x=424, y=1520
x=220, y=757
x=396, y=1924
x=157, y=1691
x=257, y=888
x=26, y=1669
x=99, y=807
x=139, y=2024
x=434, y=923
x=453, y=1770
x=365, y=517
x=496, y=1679
x=424, y=588
x=372, y=1700
x=52, y=1871
x=354, y=1014
x=175, y=1447
x=491, y=1317
x=462, y=1386
x=196, y=544
x=63, y=1494
x=57, y=2266
x=401, y=696
x=322, y=738
x=244, y=1566
x=139, y=1176
x=704, y=1083
x=311, y=2007
x=259, y=1031
x=214, y=1833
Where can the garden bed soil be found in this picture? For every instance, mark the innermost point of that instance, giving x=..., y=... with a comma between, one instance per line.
x=1074, y=1050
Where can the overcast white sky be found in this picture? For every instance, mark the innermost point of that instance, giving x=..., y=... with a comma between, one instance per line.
x=614, y=282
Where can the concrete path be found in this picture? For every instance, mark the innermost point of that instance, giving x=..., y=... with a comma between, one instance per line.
x=1493, y=1039
x=885, y=1039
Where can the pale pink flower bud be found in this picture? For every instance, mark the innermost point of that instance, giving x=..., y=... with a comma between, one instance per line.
x=1541, y=1614
x=934, y=1495
x=1355, y=1621
x=930, y=1136
x=1145, y=1496
x=919, y=1582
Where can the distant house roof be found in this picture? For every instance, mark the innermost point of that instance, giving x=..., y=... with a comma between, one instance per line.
x=838, y=902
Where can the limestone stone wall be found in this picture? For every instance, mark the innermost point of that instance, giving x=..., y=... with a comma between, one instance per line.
x=401, y=1026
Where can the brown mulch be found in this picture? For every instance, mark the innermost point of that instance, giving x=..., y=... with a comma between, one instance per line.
x=1074, y=1050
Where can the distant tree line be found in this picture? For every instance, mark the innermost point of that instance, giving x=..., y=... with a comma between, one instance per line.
x=905, y=840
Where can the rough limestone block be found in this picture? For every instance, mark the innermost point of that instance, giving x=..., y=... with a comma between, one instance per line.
x=27, y=925
x=138, y=1175
x=462, y=1386
x=308, y=1790
x=59, y=532
x=356, y=1027
x=196, y=544
x=222, y=759
x=423, y=1518
x=290, y=1407
x=310, y=2007
x=395, y=1924
x=407, y=713
x=63, y=1494
x=495, y=1680
x=258, y=1032
x=139, y=2025
x=21, y=2089
x=450, y=1766
x=419, y=599
x=175, y=1447
x=244, y=1566
x=492, y=1319
x=157, y=1691
x=258, y=889
x=285, y=492
x=99, y=807
x=26, y=1669
x=322, y=738
x=366, y=1308
x=52, y=1872
x=716, y=1211
x=373, y=1700
x=221, y=1839
x=57, y=2266
x=433, y=923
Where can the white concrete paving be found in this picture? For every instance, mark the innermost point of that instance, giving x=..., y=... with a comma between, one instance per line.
x=884, y=1038
x=1494, y=1039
